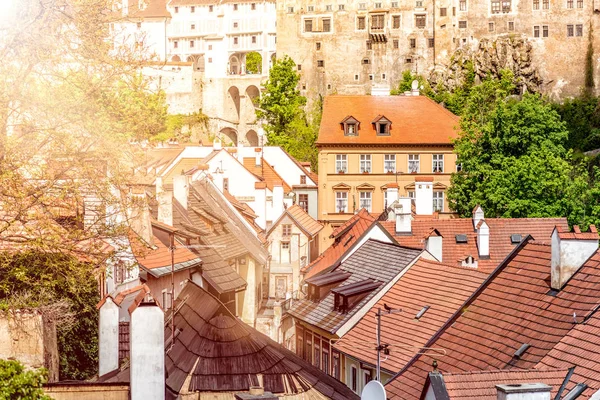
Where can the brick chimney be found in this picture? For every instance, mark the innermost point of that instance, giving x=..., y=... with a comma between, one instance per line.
x=570, y=250
x=523, y=391
x=403, y=215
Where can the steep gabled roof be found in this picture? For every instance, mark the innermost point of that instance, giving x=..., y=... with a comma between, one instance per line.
x=302, y=220
x=267, y=173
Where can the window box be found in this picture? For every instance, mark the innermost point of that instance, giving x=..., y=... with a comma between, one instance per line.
x=341, y=171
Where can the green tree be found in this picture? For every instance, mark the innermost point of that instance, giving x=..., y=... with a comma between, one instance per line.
x=17, y=383
x=67, y=291
x=514, y=163
x=253, y=63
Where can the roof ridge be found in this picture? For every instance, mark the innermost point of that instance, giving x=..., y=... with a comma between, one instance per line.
x=502, y=371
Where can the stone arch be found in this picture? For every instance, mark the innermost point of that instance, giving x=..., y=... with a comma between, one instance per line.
x=235, y=64
x=176, y=59
x=228, y=137
x=253, y=62
x=252, y=138
x=232, y=104
x=273, y=59
x=253, y=93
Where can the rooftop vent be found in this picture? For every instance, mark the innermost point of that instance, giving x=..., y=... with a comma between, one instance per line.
x=515, y=238
x=521, y=350
x=423, y=311
x=461, y=238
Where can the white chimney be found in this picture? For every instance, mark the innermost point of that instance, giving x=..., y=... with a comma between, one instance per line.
x=392, y=193
x=165, y=207
x=181, y=189
x=434, y=244
x=258, y=156
x=139, y=217
x=483, y=240
x=108, y=337
x=523, y=391
x=570, y=250
x=277, y=200
x=478, y=215
x=260, y=201
x=147, y=352
x=217, y=144
x=414, y=88
x=424, y=196
x=403, y=215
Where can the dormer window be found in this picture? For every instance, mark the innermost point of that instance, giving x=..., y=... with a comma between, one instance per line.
x=350, y=125
x=382, y=125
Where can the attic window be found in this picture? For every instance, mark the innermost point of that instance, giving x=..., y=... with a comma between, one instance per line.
x=350, y=125
x=521, y=350
x=461, y=238
x=345, y=297
x=382, y=125
x=423, y=311
x=515, y=238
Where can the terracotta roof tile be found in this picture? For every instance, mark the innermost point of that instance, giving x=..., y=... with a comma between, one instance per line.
x=370, y=261
x=153, y=9
x=415, y=120
x=355, y=227
x=266, y=172
x=304, y=221
x=513, y=307
x=427, y=283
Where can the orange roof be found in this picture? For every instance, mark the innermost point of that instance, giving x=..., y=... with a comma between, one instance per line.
x=501, y=230
x=266, y=172
x=354, y=228
x=442, y=287
x=304, y=221
x=414, y=119
x=154, y=8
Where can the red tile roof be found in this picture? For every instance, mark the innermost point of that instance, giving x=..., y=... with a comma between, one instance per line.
x=415, y=120
x=501, y=230
x=153, y=9
x=513, y=307
x=576, y=234
x=304, y=221
x=427, y=283
x=266, y=172
x=354, y=227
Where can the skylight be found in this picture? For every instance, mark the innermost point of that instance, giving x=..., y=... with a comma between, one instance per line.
x=515, y=238
x=423, y=311
x=461, y=238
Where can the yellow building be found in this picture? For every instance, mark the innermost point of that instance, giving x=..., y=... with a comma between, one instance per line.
x=371, y=145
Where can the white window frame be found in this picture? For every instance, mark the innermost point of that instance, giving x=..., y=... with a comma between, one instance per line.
x=389, y=160
x=365, y=163
x=414, y=160
x=366, y=200
x=437, y=163
x=410, y=194
x=438, y=201
x=341, y=163
x=341, y=196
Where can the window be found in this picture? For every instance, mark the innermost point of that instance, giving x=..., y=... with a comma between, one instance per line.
x=536, y=4
x=303, y=201
x=383, y=127
x=320, y=63
x=454, y=11
x=311, y=8
x=366, y=61
x=546, y=4
x=396, y=22
x=365, y=163
x=235, y=24
x=396, y=43
x=341, y=163
x=578, y=30
x=353, y=378
x=383, y=77
x=569, y=3
x=192, y=9
x=253, y=6
x=462, y=5
x=328, y=7
x=120, y=273
x=410, y=194
x=438, y=163
x=308, y=25
x=299, y=67
x=285, y=245
x=365, y=200
x=139, y=25
x=443, y=12
x=362, y=6
x=511, y=26
x=394, y=4
x=360, y=23
x=408, y=60
x=303, y=179
x=176, y=10
x=341, y=202
x=505, y=6
x=211, y=8
x=389, y=163
x=413, y=163
x=536, y=31
x=377, y=21
x=369, y=45
x=419, y=4
x=579, y=3
x=318, y=44
x=235, y=7
x=356, y=77
x=495, y=6
x=325, y=366
x=371, y=77
x=491, y=27
x=210, y=60
x=458, y=167
x=290, y=9
x=210, y=46
x=286, y=230
x=462, y=24
x=413, y=43
x=545, y=31
x=366, y=377
x=253, y=39
x=570, y=30
x=326, y=25
x=235, y=40
x=420, y=20
x=192, y=43
x=438, y=201
x=377, y=5
x=193, y=27
x=341, y=7
x=336, y=365
x=431, y=42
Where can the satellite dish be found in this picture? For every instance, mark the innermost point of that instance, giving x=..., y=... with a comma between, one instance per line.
x=373, y=391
